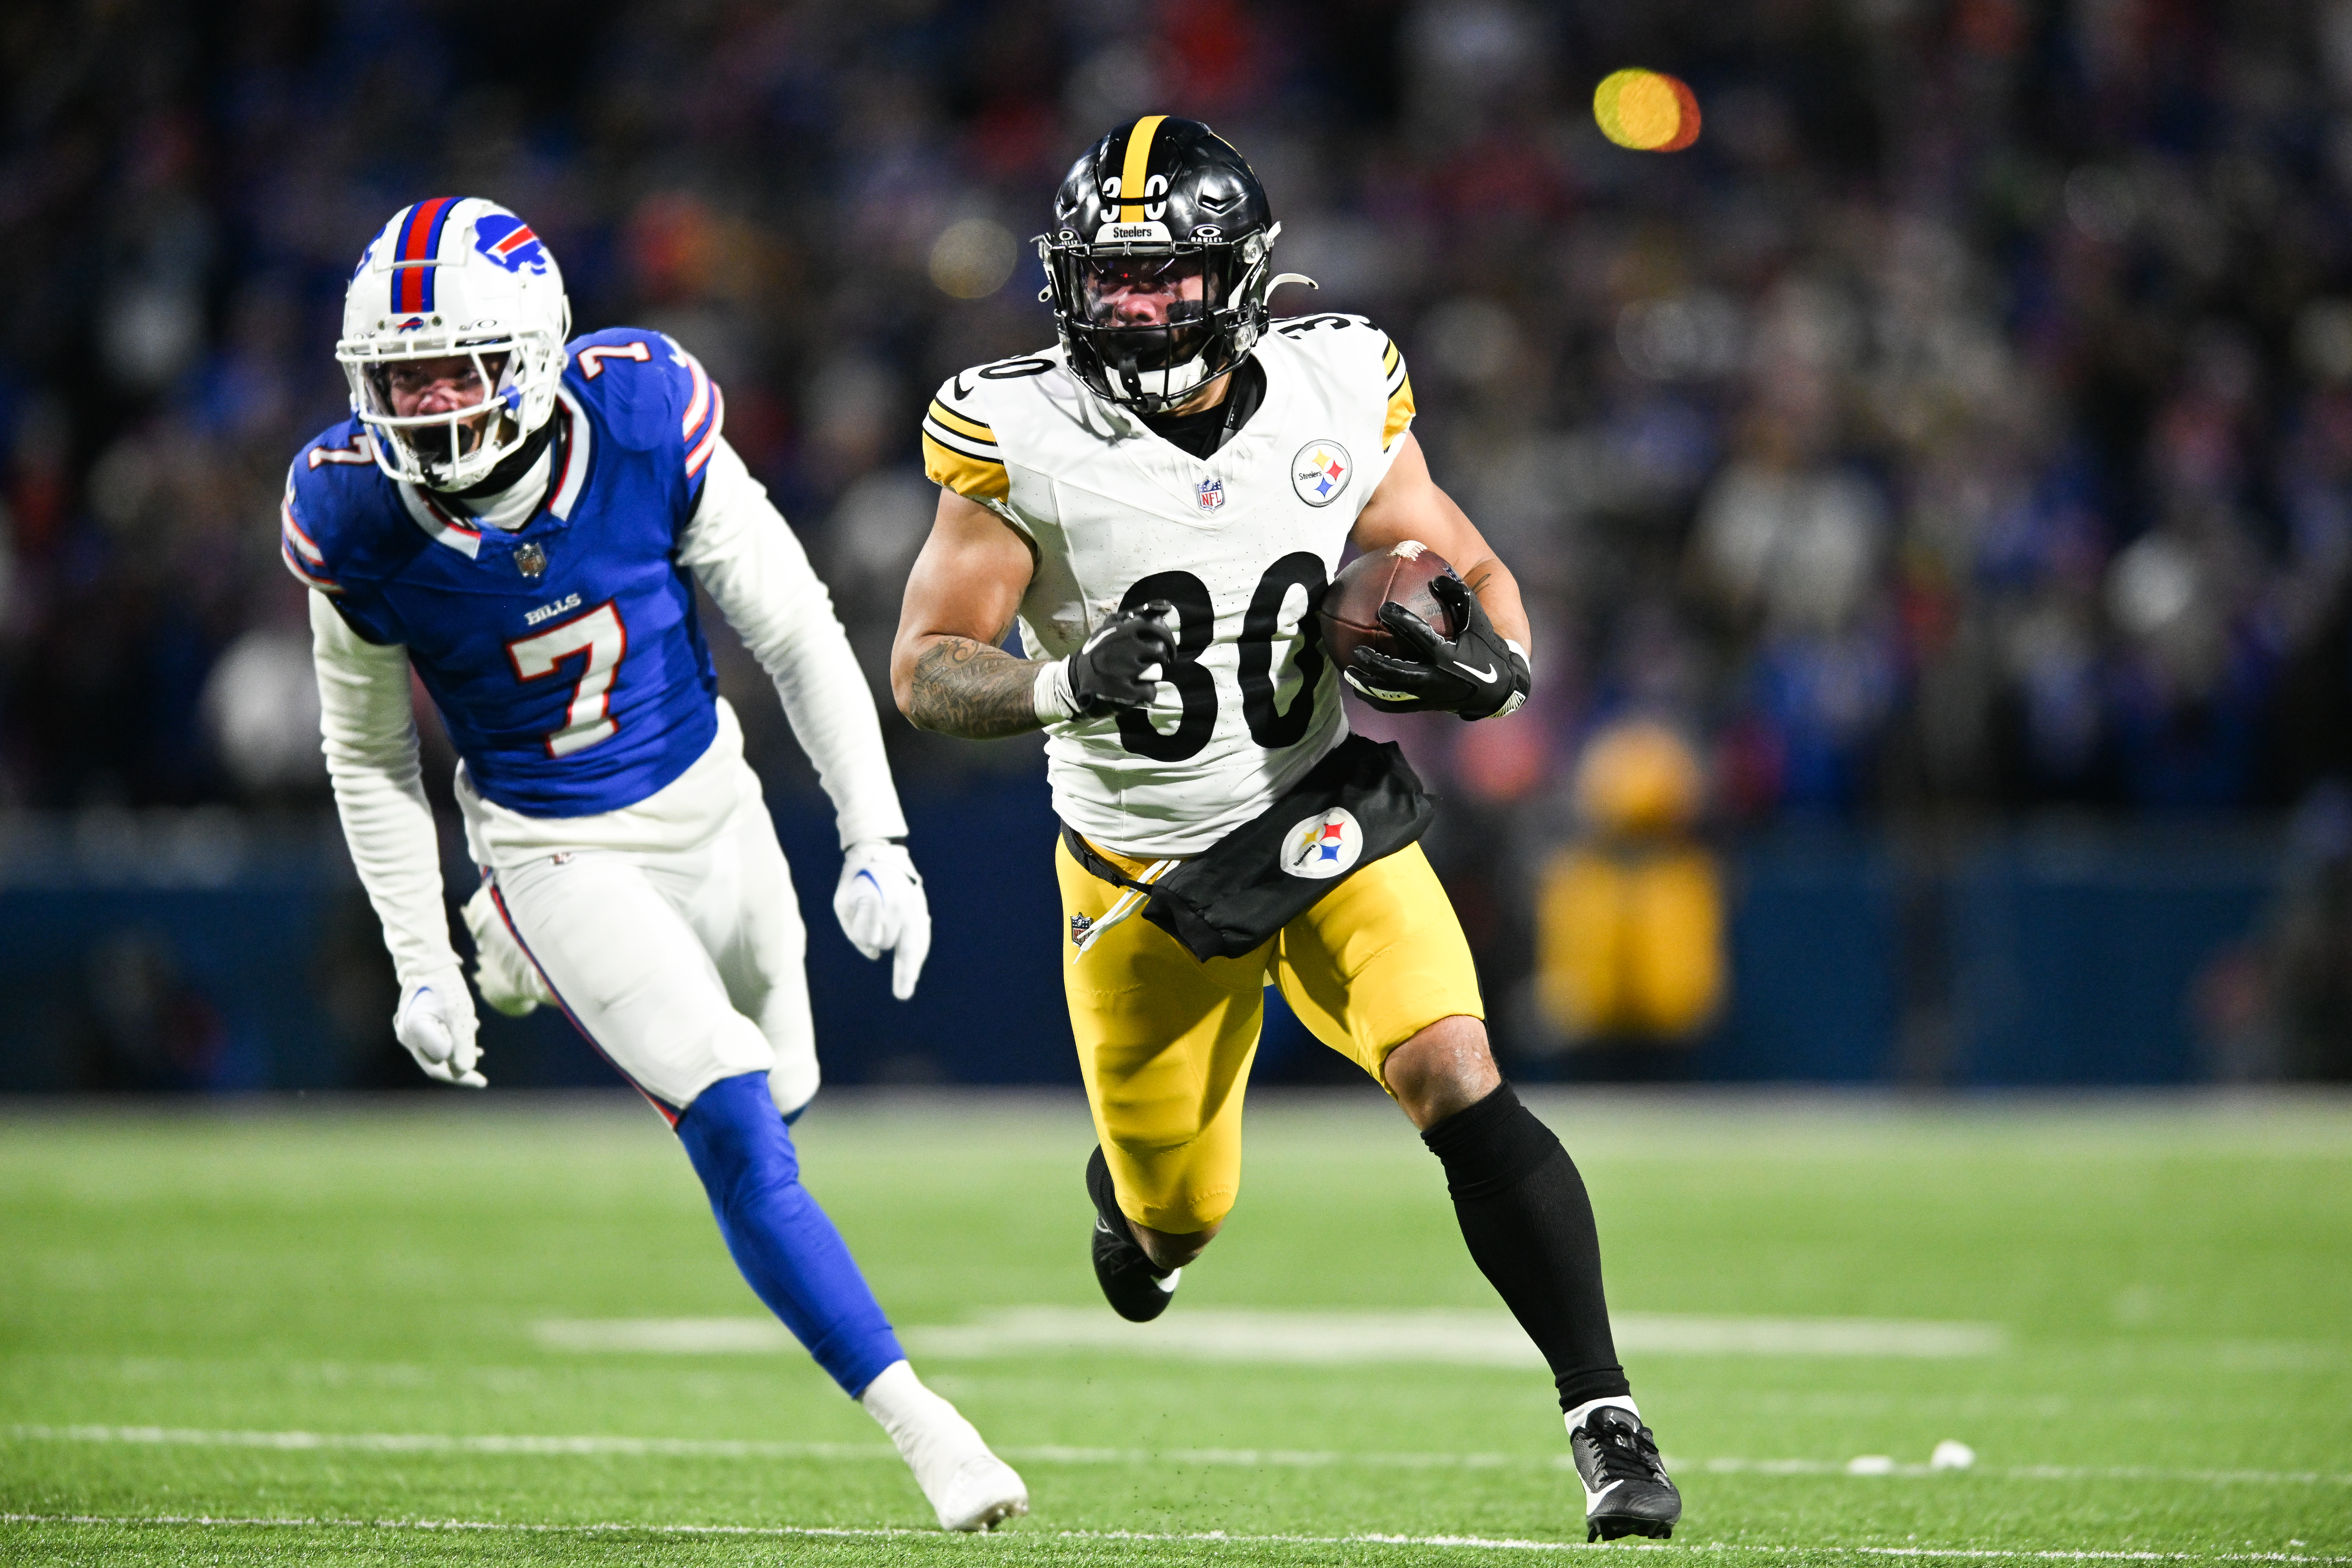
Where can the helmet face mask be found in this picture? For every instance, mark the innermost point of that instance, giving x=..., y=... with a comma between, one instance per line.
x=1151, y=326
x=437, y=447
x=460, y=280
x=1155, y=299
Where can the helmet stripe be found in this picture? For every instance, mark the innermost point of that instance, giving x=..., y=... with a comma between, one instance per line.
x=448, y=205
x=1134, y=171
x=407, y=290
x=420, y=240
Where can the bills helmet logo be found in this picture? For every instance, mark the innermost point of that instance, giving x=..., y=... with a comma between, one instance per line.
x=1210, y=492
x=508, y=241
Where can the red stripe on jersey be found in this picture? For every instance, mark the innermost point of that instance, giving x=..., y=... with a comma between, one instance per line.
x=702, y=449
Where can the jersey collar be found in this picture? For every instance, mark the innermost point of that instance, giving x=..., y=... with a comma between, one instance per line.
x=447, y=526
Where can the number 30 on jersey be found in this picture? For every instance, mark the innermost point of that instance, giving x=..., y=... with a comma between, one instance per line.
x=1197, y=619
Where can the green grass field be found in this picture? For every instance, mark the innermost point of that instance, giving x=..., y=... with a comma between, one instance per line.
x=360, y=1334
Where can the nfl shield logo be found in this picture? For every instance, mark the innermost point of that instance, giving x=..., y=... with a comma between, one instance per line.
x=1211, y=493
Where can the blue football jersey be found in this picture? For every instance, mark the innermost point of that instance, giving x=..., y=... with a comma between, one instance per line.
x=566, y=657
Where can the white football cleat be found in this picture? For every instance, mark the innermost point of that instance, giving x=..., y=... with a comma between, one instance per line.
x=981, y=1493
x=967, y=1486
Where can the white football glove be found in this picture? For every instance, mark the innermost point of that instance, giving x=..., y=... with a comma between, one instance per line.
x=435, y=1022
x=881, y=908
x=504, y=974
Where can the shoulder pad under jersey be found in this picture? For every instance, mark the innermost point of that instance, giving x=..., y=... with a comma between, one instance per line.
x=959, y=447
x=331, y=490
x=651, y=395
x=1351, y=347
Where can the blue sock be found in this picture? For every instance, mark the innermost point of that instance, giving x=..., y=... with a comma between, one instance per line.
x=788, y=1250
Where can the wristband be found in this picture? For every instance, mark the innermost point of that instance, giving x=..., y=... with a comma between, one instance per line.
x=1512, y=703
x=1052, y=697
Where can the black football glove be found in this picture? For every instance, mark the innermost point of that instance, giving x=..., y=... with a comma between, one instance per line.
x=1477, y=674
x=1108, y=672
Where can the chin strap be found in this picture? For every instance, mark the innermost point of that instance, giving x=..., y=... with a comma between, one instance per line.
x=511, y=469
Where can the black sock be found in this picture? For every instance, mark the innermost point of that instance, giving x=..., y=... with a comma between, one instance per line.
x=1529, y=1225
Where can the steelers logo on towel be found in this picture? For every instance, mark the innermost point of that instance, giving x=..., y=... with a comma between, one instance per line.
x=1321, y=471
x=1325, y=845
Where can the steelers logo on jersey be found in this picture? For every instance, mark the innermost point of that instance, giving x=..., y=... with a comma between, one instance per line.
x=1321, y=472
x=1324, y=845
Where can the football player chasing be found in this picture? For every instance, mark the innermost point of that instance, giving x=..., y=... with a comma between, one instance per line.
x=1158, y=501
x=522, y=522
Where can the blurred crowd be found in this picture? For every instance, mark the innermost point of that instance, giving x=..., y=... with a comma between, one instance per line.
x=1962, y=426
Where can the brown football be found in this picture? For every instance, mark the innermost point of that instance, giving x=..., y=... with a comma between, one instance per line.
x=1350, y=608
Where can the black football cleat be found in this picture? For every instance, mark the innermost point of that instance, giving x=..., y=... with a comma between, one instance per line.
x=1135, y=1289
x=1626, y=1491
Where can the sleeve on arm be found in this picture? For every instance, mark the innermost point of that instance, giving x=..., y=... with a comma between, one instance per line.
x=1400, y=394
x=960, y=453
x=369, y=735
x=741, y=549
x=706, y=413
x=299, y=551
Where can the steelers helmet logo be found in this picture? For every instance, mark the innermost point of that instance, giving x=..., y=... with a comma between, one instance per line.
x=1324, y=845
x=1321, y=471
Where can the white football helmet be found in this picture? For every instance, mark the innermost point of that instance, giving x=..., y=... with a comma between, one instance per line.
x=455, y=277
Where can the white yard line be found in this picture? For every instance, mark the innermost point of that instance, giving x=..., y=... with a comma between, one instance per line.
x=1055, y=1454
x=1472, y=1337
x=665, y=1336
x=1491, y=1543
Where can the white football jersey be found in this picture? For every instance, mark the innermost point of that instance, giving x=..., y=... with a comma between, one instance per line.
x=1240, y=543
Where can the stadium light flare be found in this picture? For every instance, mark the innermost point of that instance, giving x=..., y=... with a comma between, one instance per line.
x=1647, y=110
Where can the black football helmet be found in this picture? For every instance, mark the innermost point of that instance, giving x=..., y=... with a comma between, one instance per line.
x=1162, y=206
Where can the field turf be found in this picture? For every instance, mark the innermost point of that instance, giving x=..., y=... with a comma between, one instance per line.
x=324, y=1336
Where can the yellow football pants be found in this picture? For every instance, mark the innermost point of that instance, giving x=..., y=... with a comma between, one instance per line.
x=1165, y=1040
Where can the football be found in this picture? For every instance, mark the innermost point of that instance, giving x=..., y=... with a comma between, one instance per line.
x=1350, y=608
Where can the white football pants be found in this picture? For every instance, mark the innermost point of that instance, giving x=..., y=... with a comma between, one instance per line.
x=668, y=931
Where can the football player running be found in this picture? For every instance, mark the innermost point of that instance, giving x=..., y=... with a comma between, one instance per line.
x=522, y=521
x=1158, y=500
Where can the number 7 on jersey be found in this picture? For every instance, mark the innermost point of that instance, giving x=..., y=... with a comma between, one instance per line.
x=603, y=639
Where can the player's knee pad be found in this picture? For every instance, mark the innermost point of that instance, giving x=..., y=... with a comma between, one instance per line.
x=738, y=1142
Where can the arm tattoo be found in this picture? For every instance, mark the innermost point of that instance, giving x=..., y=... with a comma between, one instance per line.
x=964, y=686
